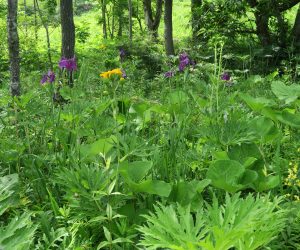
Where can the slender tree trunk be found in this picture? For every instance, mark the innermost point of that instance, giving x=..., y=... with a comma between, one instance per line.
x=296, y=31
x=262, y=28
x=25, y=18
x=47, y=34
x=152, y=22
x=130, y=19
x=138, y=16
x=103, y=8
x=108, y=22
x=120, y=30
x=113, y=22
x=169, y=44
x=195, y=9
x=67, y=29
x=35, y=21
x=13, y=47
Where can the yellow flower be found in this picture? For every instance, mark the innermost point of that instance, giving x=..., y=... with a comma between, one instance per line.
x=110, y=73
x=102, y=46
x=105, y=75
x=117, y=72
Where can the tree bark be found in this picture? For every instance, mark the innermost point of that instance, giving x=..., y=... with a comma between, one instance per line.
x=262, y=28
x=195, y=7
x=130, y=19
x=35, y=21
x=13, y=47
x=296, y=31
x=67, y=29
x=169, y=44
x=104, y=27
x=36, y=3
x=152, y=22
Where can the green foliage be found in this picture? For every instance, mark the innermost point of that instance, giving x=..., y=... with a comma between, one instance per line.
x=247, y=223
x=78, y=173
x=8, y=192
x=18, y=234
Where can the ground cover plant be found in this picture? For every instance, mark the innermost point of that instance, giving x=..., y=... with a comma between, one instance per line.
x=149, y=125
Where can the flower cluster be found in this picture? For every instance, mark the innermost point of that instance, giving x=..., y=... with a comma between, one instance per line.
x=49, y=77
x=184, y=61
x=292, y=178
x=115, y=72
x=225, y=76
x=68, y=64
x=169, y=74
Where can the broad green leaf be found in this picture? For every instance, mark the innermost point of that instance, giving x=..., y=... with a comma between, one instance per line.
x=248, y=177
x=264, y=183
x=264, y=127
x=221, y=155
x=257, y=104
x=290, y=119
x=286, y=93
x=157, y=187
x=184, y=192
x=135, y=171
x=249, y=161
x=101, y=146
x=226, y=174
x=241, y=153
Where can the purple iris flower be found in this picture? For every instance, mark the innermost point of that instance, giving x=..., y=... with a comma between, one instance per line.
x=44, y=79
x=225, y=76
x=49, y=77
x=184, y=61
x=169, y=74
x=122, y=54
x=68, y=64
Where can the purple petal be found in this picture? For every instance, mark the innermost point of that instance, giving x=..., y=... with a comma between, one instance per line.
x=44, y=79
x=51, y=76
x=169, y=74
x=63, y=63
x=182, y=66
x=68, y=64
x=225, y=76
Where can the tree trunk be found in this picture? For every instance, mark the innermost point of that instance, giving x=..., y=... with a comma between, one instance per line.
x=13, y=47
x=25, y=18
x=262, y=28
x=113, y=22
x=130, y=19
x=120, y=29
x=195, y=8
x=35, y=21
x=36, y=3
x=296, y=31
x=169, y=44
x=152, y=23
x=67, y=29
x=103, y=8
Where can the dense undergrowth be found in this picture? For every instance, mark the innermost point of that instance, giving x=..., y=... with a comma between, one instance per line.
x=86, y=171
x=194, y=151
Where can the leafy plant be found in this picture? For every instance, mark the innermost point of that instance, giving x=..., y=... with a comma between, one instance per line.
x=244, y=223
x=18, y=234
